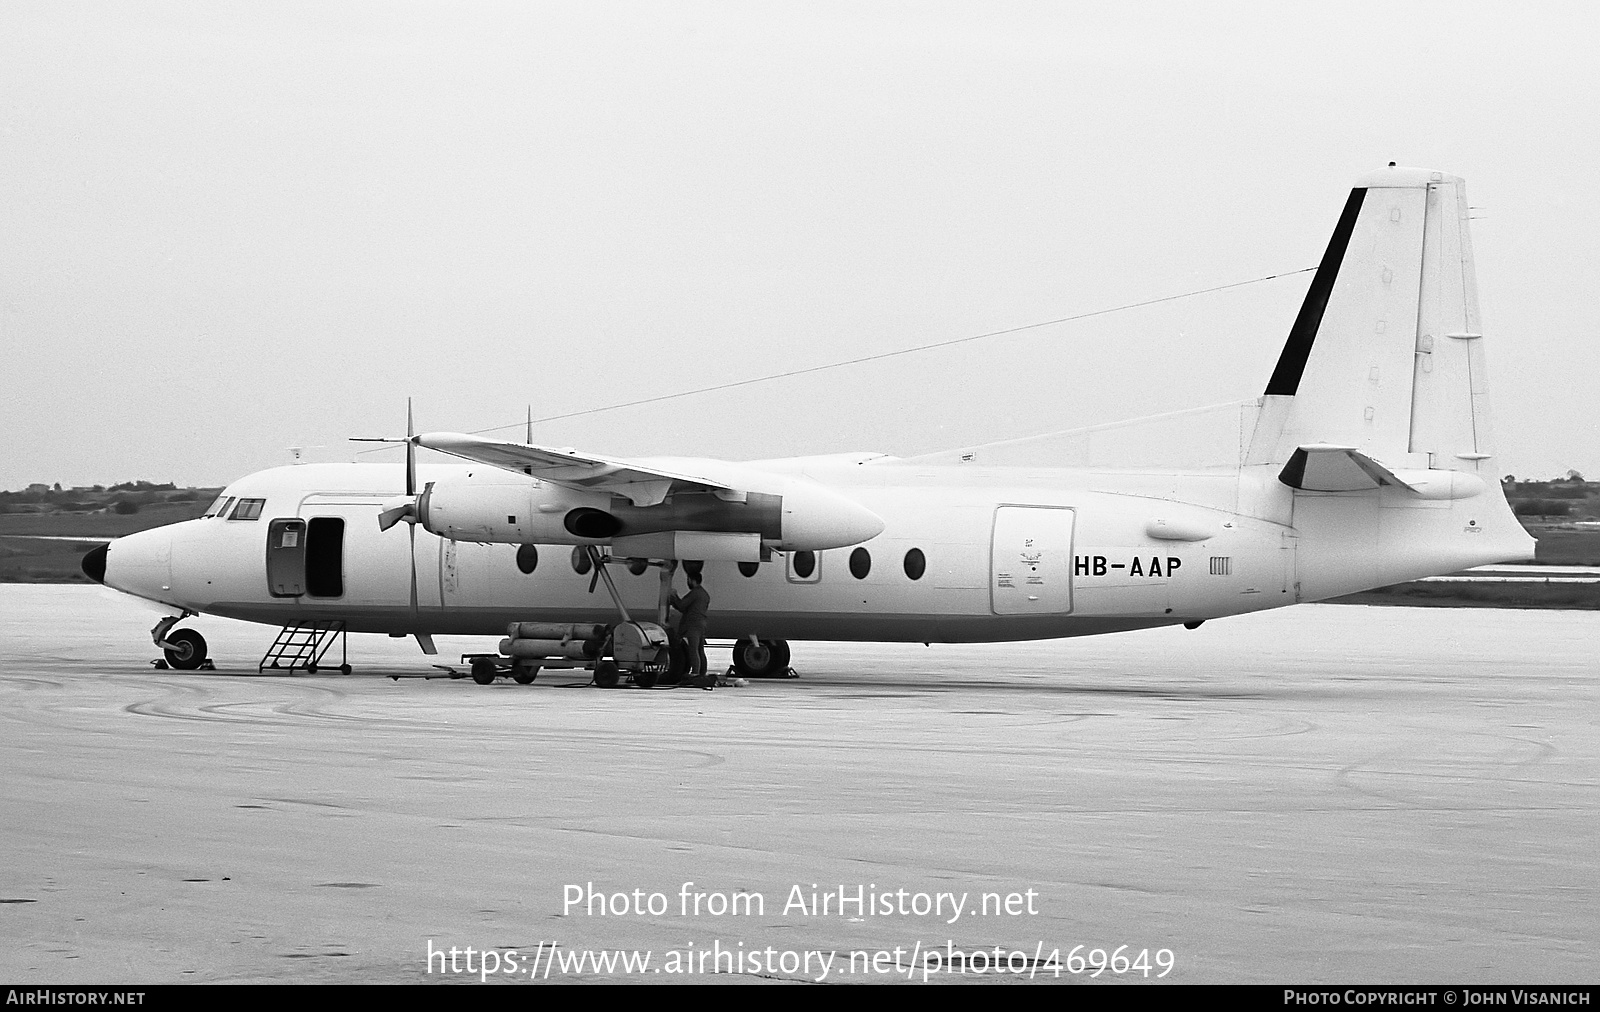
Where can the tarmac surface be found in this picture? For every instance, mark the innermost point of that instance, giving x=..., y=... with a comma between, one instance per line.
x=1320, y=794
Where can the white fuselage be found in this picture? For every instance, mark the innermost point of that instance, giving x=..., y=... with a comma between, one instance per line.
x=1005, y=553
x=1368, y=460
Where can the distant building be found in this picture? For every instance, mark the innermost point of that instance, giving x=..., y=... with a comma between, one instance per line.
x=38, y=486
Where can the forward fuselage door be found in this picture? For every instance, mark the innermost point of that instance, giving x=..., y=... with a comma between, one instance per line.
x=286, y=557
x=1031, y=560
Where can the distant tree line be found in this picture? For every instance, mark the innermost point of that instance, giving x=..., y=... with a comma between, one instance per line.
x=125, y=498
x=1571, y=496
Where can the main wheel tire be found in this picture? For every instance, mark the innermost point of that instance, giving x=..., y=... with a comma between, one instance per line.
x=484, y=671
x=764, y=659
x=606, y=675
x=524, y=674
x=188, y=649
x=644, y=678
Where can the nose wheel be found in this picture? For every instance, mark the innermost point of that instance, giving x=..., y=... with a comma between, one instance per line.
x=185, y=649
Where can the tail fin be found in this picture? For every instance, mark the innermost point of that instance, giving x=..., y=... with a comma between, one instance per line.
x=1379, y=399
x=1386, y=354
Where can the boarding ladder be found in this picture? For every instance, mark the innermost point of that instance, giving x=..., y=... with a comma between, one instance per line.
x=303, y=644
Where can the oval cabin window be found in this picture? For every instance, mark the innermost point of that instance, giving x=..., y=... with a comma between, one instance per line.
x=749, y=568
x=527, y=558
x=916, y=564
x=581, y=563
x=805, y=563
x=860, y=563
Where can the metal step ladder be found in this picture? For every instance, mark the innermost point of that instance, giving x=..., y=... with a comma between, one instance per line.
x=302, y=646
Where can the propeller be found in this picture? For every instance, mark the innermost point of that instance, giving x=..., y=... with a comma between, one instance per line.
x=396, y=510
x=405, y=509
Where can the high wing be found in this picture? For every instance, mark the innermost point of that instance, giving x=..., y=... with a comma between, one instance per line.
x=643, y=483
x=744, y=509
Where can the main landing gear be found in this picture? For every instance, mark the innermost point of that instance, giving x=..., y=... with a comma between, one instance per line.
x=641, y=650
x=635, y=649
x=753, y=658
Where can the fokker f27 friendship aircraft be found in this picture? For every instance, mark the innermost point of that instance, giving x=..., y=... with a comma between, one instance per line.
x=1366, y=462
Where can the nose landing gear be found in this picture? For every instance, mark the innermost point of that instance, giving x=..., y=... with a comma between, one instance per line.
x=185, y=649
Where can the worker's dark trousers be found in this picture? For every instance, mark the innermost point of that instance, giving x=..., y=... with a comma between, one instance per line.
x=694, y=641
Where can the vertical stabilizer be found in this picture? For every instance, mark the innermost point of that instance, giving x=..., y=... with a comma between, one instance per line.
x=1373, y=437
x=1386, y=353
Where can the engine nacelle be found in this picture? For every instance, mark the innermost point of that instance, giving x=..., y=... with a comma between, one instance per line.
x=507, y=509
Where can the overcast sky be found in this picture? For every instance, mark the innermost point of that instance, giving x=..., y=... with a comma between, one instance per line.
x=228, y=229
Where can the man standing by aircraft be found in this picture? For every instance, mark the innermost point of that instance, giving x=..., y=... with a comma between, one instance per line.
x=692, y=627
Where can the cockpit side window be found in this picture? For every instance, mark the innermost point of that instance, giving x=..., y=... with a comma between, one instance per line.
x=219, y=507
x=248, y=509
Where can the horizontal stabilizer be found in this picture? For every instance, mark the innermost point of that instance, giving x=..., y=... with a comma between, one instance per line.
x=1323, y=467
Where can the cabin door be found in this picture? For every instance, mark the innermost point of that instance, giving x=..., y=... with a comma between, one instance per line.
x=1031, y=560
x=286, y=557
x=306, y=557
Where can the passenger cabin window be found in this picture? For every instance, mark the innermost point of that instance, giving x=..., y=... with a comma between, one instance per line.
x=248, y=509
x=804, y=567
x=581, y=563
x=749, y=568
x=916, y=564
x=860, y=563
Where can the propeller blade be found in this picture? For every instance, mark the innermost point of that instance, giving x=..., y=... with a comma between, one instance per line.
x=411, y=453
x=429, y=644
x=406, y=511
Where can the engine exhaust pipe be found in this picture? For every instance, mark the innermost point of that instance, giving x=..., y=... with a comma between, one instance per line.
x=587, y=522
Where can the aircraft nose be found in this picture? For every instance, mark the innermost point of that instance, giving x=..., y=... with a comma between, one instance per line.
x=139, y=564
x=94, y=564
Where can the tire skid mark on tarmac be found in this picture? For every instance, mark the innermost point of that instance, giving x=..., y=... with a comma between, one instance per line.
x=160, y=707
x=311, y=709
x=1542, y=752
x=181, y=694
x=28, y=683
x=1406, y=782
x=180, y=700
x=1285, y=728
